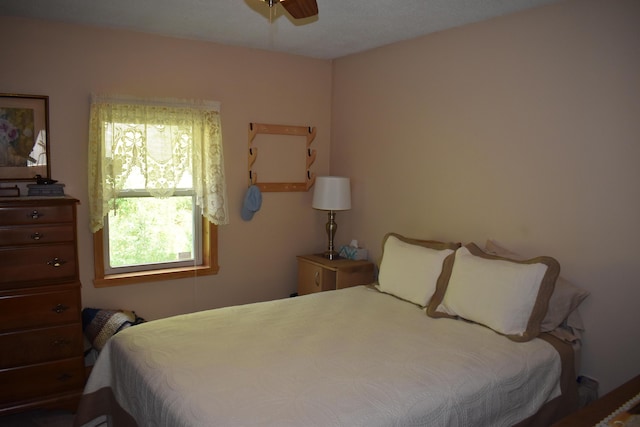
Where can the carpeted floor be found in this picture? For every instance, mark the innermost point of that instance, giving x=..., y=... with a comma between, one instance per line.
x=38, y=418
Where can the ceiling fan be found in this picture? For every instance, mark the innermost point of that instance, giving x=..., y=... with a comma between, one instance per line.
x=297, y=8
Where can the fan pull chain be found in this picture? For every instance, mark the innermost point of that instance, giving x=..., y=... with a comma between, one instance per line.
x=273, y=26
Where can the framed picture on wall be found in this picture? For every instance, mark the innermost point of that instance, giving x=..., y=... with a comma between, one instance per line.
x=24, y=137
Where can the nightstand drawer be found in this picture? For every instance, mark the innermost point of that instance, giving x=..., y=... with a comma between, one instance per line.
x=40, y=345
x=361, y=274
x=313, y=278
x=316, y=273
x=45, y=378
x=30, y=310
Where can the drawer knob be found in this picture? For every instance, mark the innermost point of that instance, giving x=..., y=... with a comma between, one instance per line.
x=35, y=215
x=60, y=342
x=60, y=308
x=56, y=262
x=64, y=377
x=36, y=236
x=316, y=277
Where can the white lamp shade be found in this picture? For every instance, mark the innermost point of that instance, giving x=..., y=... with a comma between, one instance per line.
x=332, y=193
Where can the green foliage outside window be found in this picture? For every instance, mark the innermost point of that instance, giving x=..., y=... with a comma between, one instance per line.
x=148, y=230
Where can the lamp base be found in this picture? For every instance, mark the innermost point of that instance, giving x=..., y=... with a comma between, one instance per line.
x=331, y=228
x=331, y=255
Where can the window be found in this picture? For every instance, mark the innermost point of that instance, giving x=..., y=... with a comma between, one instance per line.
x=157, y=190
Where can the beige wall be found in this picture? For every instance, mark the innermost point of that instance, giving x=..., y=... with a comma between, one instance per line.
x=257, y=258
x=524, y=129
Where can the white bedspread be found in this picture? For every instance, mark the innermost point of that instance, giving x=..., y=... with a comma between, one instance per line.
x=353, y=357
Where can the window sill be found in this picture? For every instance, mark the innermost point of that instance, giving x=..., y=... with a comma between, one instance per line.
x=153, y=276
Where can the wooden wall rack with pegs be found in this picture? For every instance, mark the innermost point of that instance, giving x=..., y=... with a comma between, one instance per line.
x=307, y=131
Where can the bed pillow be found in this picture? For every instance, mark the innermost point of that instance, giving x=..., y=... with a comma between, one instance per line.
x=565, y=299
x=410, y=269
x=509, y=296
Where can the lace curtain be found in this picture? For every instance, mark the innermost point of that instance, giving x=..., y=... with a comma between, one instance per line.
x=164, y=141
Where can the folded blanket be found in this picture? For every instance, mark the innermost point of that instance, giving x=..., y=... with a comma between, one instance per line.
x=99, y=325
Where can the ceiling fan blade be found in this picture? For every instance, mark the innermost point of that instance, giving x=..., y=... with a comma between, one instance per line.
x=300, y=8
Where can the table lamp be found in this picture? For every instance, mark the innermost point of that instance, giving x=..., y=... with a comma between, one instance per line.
x=332, y=193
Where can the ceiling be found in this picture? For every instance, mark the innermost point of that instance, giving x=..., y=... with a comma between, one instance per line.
x=341, y=28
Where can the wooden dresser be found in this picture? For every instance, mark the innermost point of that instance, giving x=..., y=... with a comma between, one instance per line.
x=41, y=345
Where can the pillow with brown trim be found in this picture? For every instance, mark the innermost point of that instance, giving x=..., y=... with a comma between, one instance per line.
x=565, y=299
x=509, y=296
x=411, y=269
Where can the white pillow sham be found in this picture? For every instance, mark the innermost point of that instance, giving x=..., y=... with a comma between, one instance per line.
x=508, y=296
x=410, y=268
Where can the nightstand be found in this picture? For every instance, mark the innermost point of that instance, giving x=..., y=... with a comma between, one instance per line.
x=317, y=273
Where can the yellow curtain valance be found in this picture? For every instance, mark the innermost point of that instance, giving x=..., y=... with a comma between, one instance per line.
x=165, y=144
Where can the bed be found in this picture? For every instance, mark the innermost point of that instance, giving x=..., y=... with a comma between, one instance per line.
x=360, y=356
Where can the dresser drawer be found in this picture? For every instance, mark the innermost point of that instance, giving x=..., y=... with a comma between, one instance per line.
x=37, y=234
x=36, y=214
x=22, y=311
x=40, y=345
x=49, y=263
x=45, y=378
